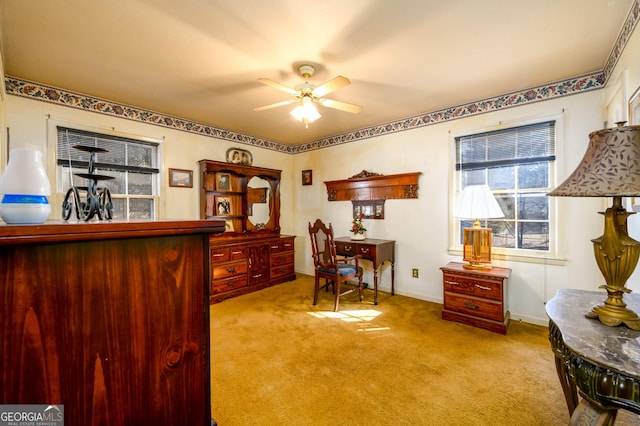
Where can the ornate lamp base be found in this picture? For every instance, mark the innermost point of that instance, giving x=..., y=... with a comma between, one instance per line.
x=476, y=265
x=613, y=316
x=617, y=256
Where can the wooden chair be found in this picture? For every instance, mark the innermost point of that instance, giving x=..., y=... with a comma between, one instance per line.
x=328, y=266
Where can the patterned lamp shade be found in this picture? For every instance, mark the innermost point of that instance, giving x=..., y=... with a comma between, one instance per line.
x=610, y=167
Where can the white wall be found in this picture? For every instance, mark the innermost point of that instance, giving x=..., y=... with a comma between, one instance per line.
x=32, y=124
x=420, y=226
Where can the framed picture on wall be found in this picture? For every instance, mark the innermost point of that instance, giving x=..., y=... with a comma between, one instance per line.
x=181, y=178
x=307, y=177
x=634, y=108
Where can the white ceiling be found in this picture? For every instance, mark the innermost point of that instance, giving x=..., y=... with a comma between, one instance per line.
x=200, y=59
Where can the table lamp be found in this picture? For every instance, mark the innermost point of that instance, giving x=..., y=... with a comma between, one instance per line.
x=611, y=168
x=477, y=202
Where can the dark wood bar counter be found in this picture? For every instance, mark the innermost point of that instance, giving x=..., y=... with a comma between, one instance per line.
x=108, y=319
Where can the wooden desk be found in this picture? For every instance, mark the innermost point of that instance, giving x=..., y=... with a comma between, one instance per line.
x=377, y=251
x=602, y=362
x=109, y=319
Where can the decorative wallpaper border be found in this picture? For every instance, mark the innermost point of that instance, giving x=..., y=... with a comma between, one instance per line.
x=28, y=89
x=541, y=93
x=41, y=92
x=626, y=31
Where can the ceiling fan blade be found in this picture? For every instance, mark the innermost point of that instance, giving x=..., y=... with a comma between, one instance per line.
x=278, y=86
x=278, y=104
x=342, y=106
x=330, y=86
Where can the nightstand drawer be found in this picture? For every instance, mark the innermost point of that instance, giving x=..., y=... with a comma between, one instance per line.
x=473, y=306
x=473, y=286
x=229, y=270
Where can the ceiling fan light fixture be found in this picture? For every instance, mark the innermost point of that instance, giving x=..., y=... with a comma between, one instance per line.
x=307, y=94
x=306, y=113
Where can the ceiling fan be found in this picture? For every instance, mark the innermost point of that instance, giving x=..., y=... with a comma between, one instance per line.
x=306, y=94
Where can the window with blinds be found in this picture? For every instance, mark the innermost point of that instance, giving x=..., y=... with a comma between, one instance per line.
x=133, y=163
x=516, y=164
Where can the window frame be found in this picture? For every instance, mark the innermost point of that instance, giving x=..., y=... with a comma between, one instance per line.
x=56, y=171
x=555, y=254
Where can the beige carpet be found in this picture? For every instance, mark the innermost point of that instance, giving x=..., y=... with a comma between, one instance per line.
x=278, y=360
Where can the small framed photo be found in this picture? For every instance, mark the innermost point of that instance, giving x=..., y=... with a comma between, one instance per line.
x=307, y=177
x=228, y=226
x=223, y=182
x=223, y=206
x=239, y=156
x=181, y=178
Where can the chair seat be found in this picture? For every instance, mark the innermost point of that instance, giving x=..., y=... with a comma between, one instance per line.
x=343, y=269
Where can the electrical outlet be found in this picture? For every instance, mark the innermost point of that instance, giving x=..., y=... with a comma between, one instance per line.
x=414, y=272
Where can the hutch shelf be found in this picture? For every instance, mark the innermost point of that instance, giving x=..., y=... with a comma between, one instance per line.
x=251, y=254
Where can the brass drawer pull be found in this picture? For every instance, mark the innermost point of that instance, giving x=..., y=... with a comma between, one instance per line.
x=236, y=252
x=483, y=287
x=364, y=250
x=471, y=305
x=452, y=282
x=218, y=254
x=347, y=248
x=275, y=247
x=231, y=269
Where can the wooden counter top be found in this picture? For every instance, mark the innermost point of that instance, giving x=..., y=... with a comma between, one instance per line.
x=59, y=231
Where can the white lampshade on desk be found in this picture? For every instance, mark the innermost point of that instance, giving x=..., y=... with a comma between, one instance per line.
x=477, y=202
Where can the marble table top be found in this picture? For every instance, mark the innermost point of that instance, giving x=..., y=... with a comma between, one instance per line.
x=615, y=348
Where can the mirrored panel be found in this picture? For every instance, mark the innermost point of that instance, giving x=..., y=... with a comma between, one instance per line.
x=258, y=202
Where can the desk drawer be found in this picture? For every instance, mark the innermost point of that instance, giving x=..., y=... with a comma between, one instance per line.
x=473, y=286
x=367, y=251
x=474, y=306
x=229, y=270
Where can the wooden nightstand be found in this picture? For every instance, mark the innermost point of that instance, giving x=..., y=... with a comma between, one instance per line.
x=476, y=297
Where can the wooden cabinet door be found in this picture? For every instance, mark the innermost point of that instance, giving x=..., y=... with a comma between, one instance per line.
x=114, y=330
x=258, y=264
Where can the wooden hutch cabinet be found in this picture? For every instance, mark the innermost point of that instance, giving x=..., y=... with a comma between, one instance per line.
x=251, y=254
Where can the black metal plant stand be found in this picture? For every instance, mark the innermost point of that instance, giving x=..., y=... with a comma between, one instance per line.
x=97, y=200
